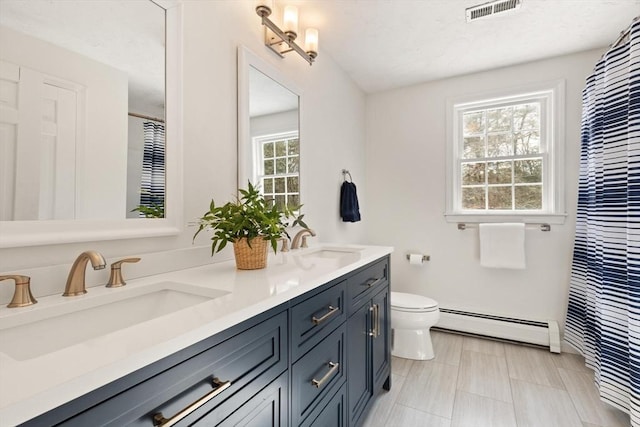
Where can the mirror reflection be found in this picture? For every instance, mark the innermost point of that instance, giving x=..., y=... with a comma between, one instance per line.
x=274, y=159
x=82, y=95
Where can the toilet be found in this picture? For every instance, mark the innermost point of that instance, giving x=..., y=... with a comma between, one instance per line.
x=411, y=318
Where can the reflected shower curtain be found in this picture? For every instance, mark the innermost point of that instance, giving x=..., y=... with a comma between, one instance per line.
x=603, y=318
x=153, y=168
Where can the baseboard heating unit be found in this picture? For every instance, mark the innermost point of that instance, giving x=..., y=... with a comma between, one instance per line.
x=543, y=333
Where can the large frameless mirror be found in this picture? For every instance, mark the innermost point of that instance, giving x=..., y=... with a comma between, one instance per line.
x=269, y=130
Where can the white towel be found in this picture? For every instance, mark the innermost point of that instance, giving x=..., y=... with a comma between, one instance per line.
x=502, y=245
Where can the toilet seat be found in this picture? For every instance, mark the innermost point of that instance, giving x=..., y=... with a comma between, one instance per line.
x=411, y=303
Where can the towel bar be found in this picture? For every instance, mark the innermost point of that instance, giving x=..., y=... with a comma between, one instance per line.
x=463, y=226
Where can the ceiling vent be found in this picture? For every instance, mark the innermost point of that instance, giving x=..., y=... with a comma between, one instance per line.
x=493, y=8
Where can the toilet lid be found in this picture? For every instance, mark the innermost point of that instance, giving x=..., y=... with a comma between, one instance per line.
x=412, y=302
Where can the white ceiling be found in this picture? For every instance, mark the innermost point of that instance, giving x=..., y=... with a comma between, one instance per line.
x=384, y=44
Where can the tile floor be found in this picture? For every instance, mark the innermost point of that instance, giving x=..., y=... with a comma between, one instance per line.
x=482, y=383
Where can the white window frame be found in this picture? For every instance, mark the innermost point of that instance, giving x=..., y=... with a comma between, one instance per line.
x=258, y=156
x=551, y=96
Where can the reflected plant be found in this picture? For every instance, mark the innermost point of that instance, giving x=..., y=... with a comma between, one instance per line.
x=153, y=211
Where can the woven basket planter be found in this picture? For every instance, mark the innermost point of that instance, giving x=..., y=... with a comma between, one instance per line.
x=251, y=257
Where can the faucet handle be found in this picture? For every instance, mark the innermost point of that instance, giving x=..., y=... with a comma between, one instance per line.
x=285, y=245
x=304, y=238
x=115, y=279
x=22, y=296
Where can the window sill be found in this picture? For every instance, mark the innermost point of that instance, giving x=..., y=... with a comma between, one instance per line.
x=499, y=217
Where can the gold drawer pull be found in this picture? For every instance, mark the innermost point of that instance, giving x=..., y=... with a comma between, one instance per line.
x=332, y=310
x=373, y=282
x=334, y=367
x=219, y=387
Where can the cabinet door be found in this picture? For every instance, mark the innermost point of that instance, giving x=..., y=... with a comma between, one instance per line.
x=360, y=387
x=381, y=342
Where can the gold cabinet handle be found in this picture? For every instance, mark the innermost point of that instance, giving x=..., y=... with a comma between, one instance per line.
x=116, y=279
x=219, y=387
x=373, y=282
x=334, y=367
x=332, y=310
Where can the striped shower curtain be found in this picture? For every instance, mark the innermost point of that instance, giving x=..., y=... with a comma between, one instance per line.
x=152, y=193
x=603, y=319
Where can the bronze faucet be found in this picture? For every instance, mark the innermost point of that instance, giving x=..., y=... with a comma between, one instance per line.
x=302, y=234
x=76, y=279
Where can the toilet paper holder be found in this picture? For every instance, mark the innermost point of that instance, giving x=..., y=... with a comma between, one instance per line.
x=424, y=257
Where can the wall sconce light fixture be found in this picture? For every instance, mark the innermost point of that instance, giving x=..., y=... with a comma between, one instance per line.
x=283, y=41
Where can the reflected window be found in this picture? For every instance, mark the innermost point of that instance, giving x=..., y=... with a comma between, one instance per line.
x=278, y=168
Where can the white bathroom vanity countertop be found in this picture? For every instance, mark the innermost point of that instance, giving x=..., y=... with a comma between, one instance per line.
x=32, y=383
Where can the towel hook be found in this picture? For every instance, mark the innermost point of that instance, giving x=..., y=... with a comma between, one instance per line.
x=344, y=175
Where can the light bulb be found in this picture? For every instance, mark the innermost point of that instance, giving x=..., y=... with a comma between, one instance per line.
x=290, y=22
x=311, y=42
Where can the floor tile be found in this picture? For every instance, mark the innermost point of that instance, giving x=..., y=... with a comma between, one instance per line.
x=447, y=347
x=586, y=400
x=381, y=408
x=570, y=361
x=485, y=375
x=400, y=366
x=403, y=416
x=471, y=410
x=537, y=405
x=532, y=365
x=430, y=387
x=481, y=345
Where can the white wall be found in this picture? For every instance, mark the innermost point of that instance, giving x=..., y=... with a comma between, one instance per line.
x=332, y=129
x=269, y=124
x=406, y=149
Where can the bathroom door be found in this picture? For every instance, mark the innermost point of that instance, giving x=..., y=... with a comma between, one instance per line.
x=38, y=132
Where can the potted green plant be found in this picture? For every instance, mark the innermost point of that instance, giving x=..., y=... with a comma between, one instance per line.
x=251, y=223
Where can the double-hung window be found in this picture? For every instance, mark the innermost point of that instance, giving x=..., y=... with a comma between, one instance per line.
x=278, y=168
x=505, y=157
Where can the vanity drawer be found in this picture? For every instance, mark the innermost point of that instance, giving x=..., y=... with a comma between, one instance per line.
x=315, y=318
x=333, y=413
x=367, y=280
x=249, y=361
x=317, y=374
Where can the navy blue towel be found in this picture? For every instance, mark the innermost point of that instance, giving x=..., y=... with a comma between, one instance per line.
x=349, y=208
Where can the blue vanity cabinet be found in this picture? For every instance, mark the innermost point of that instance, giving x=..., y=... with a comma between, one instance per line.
x=369, y=338
x=316, y=360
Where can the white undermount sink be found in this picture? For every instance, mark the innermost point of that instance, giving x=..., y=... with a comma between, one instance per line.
x=331, y=252
x=41, y=330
